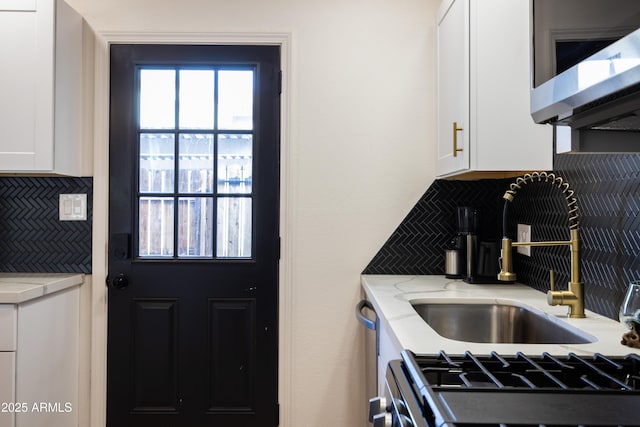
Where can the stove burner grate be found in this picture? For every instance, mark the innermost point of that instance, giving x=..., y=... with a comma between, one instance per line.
x=572, y=372
x=488, y=390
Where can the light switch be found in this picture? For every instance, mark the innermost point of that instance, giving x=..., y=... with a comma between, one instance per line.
x=73, y=207
x=524, y=235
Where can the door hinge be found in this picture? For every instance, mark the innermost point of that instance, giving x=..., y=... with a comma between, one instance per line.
x=277, y=414
x=279, y=248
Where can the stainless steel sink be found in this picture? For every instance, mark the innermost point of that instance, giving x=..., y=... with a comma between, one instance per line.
x=497, y=323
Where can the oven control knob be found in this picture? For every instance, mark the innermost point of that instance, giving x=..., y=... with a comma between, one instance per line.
x=382, y=420
x=377, y=405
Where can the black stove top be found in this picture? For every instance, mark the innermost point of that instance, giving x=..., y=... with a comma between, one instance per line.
x=523, y=390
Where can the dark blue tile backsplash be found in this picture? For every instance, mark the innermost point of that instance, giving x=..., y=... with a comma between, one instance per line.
x=607, y=187
x=32, y=239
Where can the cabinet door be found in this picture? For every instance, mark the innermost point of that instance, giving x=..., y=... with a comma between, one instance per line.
x=26, y=85
x=453, y=87
x=7, y=387
x=47, y=359
x=389, y=349
x=505, y=136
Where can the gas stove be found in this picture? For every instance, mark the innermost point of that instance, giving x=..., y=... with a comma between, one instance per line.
x=518, y=390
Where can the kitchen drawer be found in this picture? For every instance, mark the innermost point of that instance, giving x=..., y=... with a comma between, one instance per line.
x=8, y=327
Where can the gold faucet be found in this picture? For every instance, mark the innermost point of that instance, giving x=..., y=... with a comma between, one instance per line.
x=573, y=297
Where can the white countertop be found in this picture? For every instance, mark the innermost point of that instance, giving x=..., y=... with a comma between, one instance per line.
x=16, y=288
x=392, y=295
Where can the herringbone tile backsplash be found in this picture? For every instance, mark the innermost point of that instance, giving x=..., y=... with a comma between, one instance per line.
x=607, y=187
x=32, y=239
x=417, y=246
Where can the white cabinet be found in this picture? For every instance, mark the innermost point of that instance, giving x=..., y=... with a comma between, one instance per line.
x=389, y=349
x=7, y=361
x=41, y=82
x=483, y=90
x=7, y=387
x=39, y=361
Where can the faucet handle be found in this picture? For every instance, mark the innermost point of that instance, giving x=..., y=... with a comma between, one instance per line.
x=552, y=279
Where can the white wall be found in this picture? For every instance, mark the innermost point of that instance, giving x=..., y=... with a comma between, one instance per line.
x=359, y=130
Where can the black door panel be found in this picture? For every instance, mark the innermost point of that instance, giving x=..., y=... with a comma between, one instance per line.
x=192, y=328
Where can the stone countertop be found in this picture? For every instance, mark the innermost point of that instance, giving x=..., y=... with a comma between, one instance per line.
x=16, y=288
x=392, y=295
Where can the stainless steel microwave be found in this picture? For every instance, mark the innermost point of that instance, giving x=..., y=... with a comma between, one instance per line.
x=586, y=64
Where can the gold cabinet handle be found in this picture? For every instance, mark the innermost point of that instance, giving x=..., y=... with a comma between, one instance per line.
x=456, y=129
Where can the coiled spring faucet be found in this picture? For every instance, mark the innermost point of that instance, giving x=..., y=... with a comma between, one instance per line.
x=573, y=297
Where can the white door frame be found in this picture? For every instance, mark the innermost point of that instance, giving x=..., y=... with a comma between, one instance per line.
x=98, y=375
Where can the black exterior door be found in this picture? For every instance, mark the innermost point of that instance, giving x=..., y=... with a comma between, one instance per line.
x=194, y=238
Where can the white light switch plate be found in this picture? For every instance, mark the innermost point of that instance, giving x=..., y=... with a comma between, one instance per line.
x=524, y=235
x=73, y=207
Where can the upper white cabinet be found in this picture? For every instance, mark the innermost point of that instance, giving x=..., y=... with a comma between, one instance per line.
x=41, y=82
x=484, y=122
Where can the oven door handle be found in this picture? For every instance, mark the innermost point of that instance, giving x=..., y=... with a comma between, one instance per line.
x=368, y=323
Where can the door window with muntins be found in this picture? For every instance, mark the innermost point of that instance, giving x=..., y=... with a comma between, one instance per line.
x=195, y=163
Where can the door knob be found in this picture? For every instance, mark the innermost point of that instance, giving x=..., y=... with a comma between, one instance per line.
x=121, y=281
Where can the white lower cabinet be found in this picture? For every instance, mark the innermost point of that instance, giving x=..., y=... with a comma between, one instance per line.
x=389, y=349
x=7, y=387
x=39, y=361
